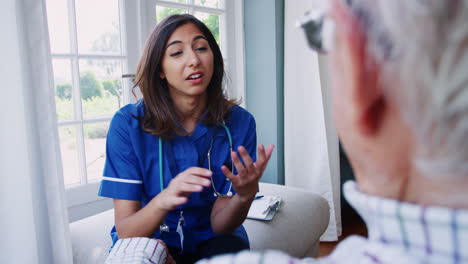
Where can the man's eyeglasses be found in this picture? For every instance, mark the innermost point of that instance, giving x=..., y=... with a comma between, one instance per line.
x=319, y=29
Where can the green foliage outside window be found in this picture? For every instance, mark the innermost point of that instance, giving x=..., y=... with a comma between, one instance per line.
x=164, y=12
x=99, y=98
x=90, y=86
x=212, y=22
x=97, y=106
x=64, y=90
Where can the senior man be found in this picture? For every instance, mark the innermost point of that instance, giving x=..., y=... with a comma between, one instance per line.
x=400, y=100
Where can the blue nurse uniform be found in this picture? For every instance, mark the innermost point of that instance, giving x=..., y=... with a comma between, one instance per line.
x=131, y=170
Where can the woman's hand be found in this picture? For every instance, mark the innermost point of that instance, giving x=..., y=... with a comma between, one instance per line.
x=169, y=258
x=185, y=183
x=249, y=173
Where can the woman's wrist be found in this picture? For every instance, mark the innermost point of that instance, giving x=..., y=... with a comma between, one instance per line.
x=157, y=205
x=247, y=199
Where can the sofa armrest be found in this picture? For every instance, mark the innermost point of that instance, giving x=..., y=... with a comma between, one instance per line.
x=90, y=238
x=296, y=227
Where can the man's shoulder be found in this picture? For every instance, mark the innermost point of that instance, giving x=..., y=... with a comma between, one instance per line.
x=357, y=249
x=354, y=249
x=258, y=257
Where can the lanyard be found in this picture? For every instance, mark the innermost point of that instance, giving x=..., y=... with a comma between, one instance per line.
x=161, y=180
x=164, y=227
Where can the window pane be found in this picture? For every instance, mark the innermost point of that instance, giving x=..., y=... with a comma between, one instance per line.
x=95, y=144
x=63, y=89
x=57, y=18
x=71, y=171
x=163, y=12
x=208, y=3
x=211, y=21
x=100, y=87
x=98, y=26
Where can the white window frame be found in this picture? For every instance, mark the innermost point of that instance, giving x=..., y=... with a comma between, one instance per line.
x=86, y=191
x=82, y=199
x=236, y=52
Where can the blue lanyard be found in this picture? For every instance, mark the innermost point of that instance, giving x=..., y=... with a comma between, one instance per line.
x=161, y=180
x=164, y=227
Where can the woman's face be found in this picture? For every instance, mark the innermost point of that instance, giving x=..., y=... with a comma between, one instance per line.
x=187, y=63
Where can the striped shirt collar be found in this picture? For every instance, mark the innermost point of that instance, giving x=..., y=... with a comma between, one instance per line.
x=432, y=234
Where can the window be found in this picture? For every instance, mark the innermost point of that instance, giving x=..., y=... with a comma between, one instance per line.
x=210, y=12
x=88, y=58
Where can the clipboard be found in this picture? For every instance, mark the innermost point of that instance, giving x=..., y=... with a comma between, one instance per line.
x=264, y=207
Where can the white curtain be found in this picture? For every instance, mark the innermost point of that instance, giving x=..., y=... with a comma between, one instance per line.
x=311, y=143
x=34, y=217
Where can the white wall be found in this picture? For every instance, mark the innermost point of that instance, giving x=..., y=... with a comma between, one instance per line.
x=310, y=139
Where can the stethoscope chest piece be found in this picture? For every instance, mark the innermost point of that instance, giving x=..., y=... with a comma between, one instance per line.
x=216, y=194
x=163, y=228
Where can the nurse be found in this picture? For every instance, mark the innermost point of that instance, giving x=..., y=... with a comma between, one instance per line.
x=181, y=163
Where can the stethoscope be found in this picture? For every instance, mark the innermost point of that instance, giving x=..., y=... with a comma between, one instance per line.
x=164, y=227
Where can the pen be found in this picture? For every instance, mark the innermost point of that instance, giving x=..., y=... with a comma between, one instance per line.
x=272, y=207
x=258, y=197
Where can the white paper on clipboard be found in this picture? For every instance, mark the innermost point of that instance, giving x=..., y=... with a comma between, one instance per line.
x=264, y=208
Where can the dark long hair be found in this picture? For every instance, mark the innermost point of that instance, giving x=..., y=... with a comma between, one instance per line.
x=160, y=117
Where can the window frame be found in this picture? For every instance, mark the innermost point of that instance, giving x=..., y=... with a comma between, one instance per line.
x=86, y=191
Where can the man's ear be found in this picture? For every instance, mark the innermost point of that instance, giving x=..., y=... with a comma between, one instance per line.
x=364, y=90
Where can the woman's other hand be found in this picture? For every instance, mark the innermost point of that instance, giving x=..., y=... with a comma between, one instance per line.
x=169, y=258
x=249, y=173
x=185, y=183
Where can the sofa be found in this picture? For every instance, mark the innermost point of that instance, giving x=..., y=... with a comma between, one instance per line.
x=296, y=228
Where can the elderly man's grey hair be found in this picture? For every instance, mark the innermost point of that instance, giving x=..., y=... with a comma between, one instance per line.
x=422, y=47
